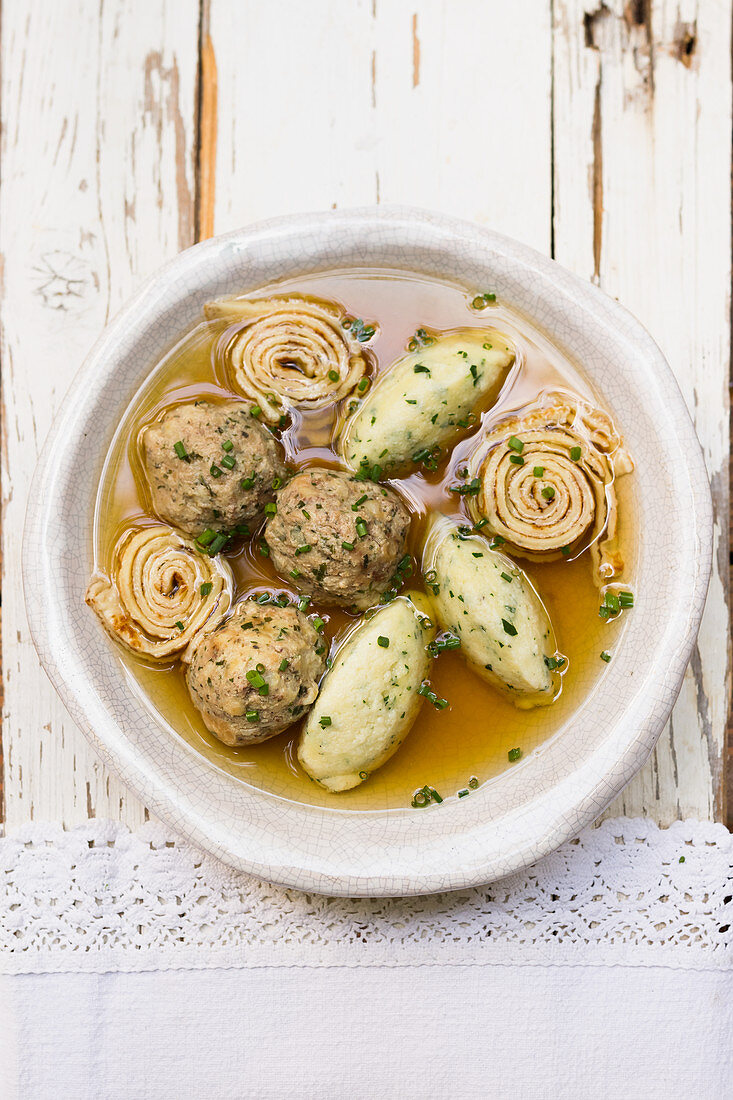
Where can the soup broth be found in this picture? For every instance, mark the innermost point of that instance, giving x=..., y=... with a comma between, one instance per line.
x=446, y=749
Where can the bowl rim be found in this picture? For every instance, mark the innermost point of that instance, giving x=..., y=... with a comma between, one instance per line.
x=648, y=720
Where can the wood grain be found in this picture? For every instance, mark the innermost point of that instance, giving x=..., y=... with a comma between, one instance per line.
x=597, y=132
x=642, y=169
x=98, y=112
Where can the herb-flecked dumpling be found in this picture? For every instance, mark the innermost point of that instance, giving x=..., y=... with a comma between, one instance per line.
x=485, y=598
x=369, y=698
x=426, y=398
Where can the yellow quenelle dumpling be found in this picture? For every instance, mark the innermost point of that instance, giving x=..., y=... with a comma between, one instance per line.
x=484, y=597
x=425, y=399
x=369, y=698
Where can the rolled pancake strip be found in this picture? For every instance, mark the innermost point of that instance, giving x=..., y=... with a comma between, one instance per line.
x=288, y=352
x=162, y=594
x=572, y=503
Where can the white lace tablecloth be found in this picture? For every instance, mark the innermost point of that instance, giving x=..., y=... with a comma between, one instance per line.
x=133, y=965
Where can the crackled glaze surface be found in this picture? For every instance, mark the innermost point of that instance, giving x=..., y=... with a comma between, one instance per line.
x=554, y=792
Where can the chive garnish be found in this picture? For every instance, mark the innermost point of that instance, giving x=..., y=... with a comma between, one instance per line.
x=318, y=624
x=626, y=599
x=181, y=450
x=180, y=626
x=517, y=460
x=304, y=549
x=283, y=664
x=229, y=462
x=252, y=716
x=509, y=628
x=464, y=792
x=214, y=471
x=506, y=577
x=383, y=642
x=218, y=544
x=515, y=444
x=206, y=588
x=606, y=656
x=303, y=603
x=206, y=537
x=255, y=411
x=575, y=453
x=360, y=501
x=227, y=445
x=514, y=754
x=295, y=573
x=324, y=721
x=497, y=540
x=333, y=376
x=247, y=482
x=361, y=528
x=473, y=782
x=539, y=471
x=347, y=546
x=271, y=509
x=548, y=492
x=363, y=385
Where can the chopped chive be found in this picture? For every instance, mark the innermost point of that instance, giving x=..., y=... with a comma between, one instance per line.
x=473, y=782
x=247, y=482
x=206, y=537
x=180, y=626
x=256, y=678
x=214, y=471
x=464, y=792
x=606, y=656
x=575, y=453
x=255, y=411
x=227, y=445
x=626, y=599
x=361, y=528
x=295, y=573
x=324, y=721
x=539, y=471
x=517, y=460
x=554, y=662
x=276, y=483
x=481, y=524
x=444, y=643
x=241, y=529
x=304, y=549
x=264, y=549
x=515, y=444
x=218, y=544
x=180, y=450
x=420, y=369
x=271, y=509
x=360, y=501
x=318, y=624
x=347, y=546
x=333, y=376
x=509, y=628
x=363, y=385
x=497, y=540
x=252, y=716
x=206, y=588
x=548, y=492
x=514, y=754
x=506, y=577
x=565, y=551
x=303, y=603
x=229, y=462
x=383, y=642
x=283, y=664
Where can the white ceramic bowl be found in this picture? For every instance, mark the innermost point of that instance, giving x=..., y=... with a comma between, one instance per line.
x=533, y=807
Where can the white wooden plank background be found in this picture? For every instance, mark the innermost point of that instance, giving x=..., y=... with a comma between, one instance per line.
x=599, y=133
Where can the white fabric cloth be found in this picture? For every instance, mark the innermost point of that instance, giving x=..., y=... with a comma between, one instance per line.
x=134, y=966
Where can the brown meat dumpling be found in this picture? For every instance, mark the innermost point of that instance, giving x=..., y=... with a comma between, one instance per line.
x=257, y=673
x=338, y=538
x=210, y=465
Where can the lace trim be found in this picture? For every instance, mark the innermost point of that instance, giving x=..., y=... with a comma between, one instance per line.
x=101, y=898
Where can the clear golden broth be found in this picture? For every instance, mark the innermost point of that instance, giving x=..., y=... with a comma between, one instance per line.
x=473, y=735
